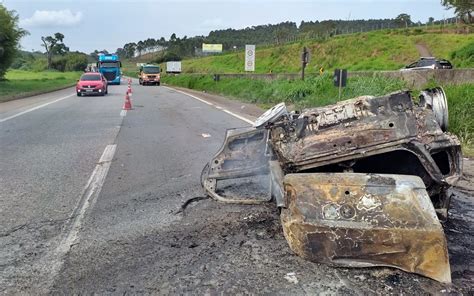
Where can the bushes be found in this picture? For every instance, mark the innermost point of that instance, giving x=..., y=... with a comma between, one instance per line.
x=71, y=62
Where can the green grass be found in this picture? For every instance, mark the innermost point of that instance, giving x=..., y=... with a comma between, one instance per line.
x=461, y=114
x=378, y=50
x=130, y=69
x=314, y=91
x=20, y=83
x=319, y=91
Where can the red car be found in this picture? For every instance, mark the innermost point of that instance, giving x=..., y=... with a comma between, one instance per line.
x=91, y=84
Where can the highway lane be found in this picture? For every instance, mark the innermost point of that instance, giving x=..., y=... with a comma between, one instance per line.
x=132, y=238
x=47, y=153
x=135, y=240
x=51, y=146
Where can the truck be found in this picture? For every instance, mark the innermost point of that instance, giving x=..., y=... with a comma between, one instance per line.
x=173, y=67
x=149, y=74
x=109, y=65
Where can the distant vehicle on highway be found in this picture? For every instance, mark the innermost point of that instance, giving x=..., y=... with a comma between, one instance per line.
x=427, y=63
x=173, y=67
x=109, y=65
x=149, y=74
x=92, y=83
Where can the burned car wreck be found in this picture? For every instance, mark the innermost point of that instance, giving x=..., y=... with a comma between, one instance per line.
x=360, y=183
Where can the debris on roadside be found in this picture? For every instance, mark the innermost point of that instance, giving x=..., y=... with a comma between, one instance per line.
x=291, y=277
x=360, y=183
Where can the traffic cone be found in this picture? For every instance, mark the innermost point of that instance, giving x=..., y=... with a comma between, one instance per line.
x=129, y=90
x=128, y=104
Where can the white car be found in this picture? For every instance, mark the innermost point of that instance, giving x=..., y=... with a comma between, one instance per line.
x=428, y=63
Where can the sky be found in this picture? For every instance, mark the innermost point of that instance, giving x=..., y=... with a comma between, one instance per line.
x=109, y=24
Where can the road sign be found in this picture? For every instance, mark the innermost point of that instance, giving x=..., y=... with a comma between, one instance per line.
x=340, y=79
x=250, y=58
x=211, y=48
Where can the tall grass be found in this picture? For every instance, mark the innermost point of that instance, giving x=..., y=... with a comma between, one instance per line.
x=314, y=91
x=461, y=114
x=320, y=91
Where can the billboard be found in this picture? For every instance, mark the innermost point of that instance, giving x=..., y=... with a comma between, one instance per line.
x=211, y=47
x=250, y=58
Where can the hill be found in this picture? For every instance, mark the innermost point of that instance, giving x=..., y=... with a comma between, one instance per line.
x=376, y=50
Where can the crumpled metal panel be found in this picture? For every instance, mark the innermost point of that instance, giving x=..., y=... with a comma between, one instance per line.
x=361, y=220
x=359, y=183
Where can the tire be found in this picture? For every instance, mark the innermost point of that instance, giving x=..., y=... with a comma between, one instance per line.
x=79, y=94
x=158, y=84
x=106, y=90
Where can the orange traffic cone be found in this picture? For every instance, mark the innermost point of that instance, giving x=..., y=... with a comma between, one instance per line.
x=128, y=104
x=129, y=89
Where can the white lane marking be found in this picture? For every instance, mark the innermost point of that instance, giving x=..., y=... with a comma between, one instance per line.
x=211, y=104
x=239, y=117
x=189, y=95
x=123, y=113
x=88, y=198
x=35, y=108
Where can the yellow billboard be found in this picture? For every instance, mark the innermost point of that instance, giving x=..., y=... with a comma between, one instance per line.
x=211, y=47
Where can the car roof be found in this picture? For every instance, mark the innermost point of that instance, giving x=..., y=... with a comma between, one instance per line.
x=92, y=73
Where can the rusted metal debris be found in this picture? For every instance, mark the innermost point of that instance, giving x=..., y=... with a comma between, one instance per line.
x=359, y=183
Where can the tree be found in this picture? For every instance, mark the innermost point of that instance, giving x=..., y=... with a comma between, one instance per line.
x=430, y=20
x=140, y=47
x=10, y=35
x=173, y=37
x=281, y=34
x=463, y=8
x=403, y=20
x=54, y=46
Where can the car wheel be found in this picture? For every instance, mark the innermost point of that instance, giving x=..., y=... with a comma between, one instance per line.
x=158, y=84
x=106, y=90
x=79, y=94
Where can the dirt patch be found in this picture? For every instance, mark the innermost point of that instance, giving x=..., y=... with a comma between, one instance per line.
x=423, y=50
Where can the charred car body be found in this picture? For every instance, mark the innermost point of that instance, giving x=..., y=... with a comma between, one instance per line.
x=360, y=183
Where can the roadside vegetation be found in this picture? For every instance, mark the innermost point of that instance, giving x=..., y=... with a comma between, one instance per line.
x=377, y=50
x=319, y=91
x=10, y=35
x=461, y=110
x=19, y=84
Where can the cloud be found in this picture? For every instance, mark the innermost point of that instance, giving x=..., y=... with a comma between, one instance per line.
x=52, y=18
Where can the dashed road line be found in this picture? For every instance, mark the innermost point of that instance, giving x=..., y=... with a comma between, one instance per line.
x=35, y=108
x=54, y=260
x=211, y=104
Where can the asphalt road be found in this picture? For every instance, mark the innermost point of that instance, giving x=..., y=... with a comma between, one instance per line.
x=90, y=202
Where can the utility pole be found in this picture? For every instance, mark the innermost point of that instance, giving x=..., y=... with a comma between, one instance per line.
x=304, y=61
